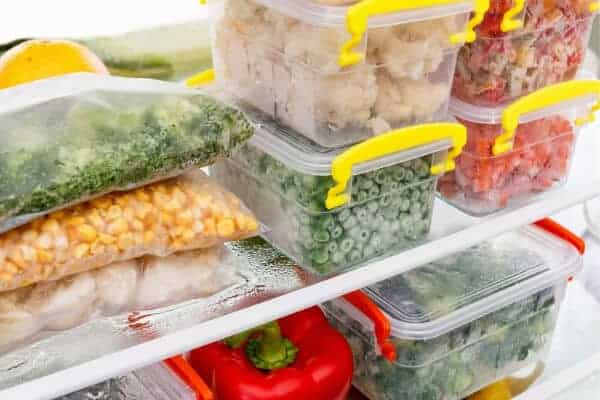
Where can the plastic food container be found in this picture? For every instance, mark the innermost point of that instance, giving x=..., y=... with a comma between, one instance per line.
x=462, y=322
x=517, y=152
x=340, y=74
x=332, y=209
x=505, y=63
x=173, y=379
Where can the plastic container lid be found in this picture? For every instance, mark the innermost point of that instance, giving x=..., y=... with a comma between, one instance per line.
x=323, y=15
x=309, y=158
x=432, y=300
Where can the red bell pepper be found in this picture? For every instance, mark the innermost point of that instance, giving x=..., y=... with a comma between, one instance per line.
x=299, y=357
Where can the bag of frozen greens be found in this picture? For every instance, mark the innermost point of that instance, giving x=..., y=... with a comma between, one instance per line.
x=68, y=139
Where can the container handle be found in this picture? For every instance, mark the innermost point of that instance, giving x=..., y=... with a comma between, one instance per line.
x=201, y=79
x=509, y=23
x=390, y=143
x=357, y=22
x=553, y=227
x=383, y=327
x=185, y=371
x=547, y=97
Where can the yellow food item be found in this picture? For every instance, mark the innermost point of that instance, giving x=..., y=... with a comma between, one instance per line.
x=40, y=59
x=109, y=229
x=496, y=391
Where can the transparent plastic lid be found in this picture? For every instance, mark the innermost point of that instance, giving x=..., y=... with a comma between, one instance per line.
x=309, y=158
x=493, y=115
x=432, y=300
x=323, y=13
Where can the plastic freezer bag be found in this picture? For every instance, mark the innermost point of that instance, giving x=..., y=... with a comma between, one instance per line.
x=183, y=213
x=68, y=139
x=141, y=284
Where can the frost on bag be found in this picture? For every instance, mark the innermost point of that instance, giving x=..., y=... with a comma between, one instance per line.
x=184, y=213
x=141, y=284
x=66, y=140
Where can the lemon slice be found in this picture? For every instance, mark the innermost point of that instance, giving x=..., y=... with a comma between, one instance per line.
x=40, y=59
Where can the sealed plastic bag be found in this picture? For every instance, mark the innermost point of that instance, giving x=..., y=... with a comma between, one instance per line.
x=184, y=213
x=141, y=284
x=72, y=138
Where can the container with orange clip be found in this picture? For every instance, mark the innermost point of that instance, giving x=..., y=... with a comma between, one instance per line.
x=514, y=153
x=451, y=327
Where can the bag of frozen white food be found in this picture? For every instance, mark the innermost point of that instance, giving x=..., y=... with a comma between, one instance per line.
x=68, y=139
x=183, y=213
x=135, y=285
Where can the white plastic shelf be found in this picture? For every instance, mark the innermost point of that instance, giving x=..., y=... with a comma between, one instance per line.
x=108, y=348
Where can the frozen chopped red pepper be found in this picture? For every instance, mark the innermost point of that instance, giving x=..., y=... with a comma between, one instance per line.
x=540, y=159
x=299, y=357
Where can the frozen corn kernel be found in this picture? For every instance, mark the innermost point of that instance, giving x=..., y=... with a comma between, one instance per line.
x=87, y=233
x=160, y=219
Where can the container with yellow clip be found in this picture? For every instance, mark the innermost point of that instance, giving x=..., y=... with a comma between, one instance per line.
x=339, y=72
x=522, y=46
x=332, y=209
x=514, y=153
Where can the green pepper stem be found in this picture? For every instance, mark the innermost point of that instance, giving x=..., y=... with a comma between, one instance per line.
x=269, y=351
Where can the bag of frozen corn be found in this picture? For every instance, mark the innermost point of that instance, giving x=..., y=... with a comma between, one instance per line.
x=184, y=213
x=68, y=139
x=135, y=285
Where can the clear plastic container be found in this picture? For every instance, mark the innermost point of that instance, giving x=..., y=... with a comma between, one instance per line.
x=394, y=69
x=332, y=209
x=517, y=152
x=173, y=379
x=504, y=64
x=462, y=322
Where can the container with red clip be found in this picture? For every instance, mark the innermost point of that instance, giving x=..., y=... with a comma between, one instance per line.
x=461, y=322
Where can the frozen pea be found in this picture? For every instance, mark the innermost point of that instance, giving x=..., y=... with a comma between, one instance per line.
x=374, y=192
x=338, y=258
x=405, y=205
x=415, y=209
x=304, y=232
x=385, y=200
x=360, y=212
x=319, y=256
x=368, y=252
x=325, y=221
x=344, y=214
x=350, y=222
x=409, y=176
x=422, y=168
x=426, y=196
x=415, y=196
x=321, y=236
x=354, y=232
x=336, y=231
x=392, y=187
x=406, y=223
x=379, y=219
x=354, y=256
x=395, y=226
x=367, y=184
x=372, y=206
x=362, y=196
x=346, y=245
x=376, y=242
x=332, y=247
x=398, y=174
x=364, y=235
x=381, y=177
x=390, y=213
x=421, y=227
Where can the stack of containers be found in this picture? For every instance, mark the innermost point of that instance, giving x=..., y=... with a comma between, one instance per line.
x=97, y=171
x=353, y=105
x=522, y=123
